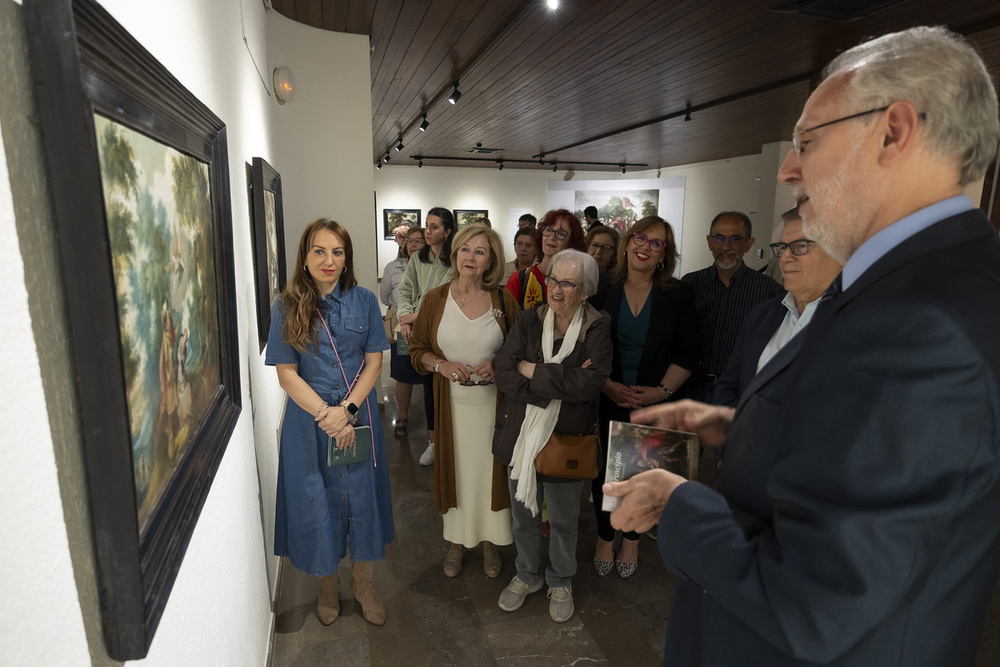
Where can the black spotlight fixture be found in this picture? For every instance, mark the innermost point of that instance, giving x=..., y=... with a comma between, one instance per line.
x=420, y=163
x=541, y=162
x=501, y=165
x=455, y=94
x=424, y=125
x=623, y=168
x=386, y=157
x=378, y=165
x=687, y=116
x=399, y=146
x=555, y=165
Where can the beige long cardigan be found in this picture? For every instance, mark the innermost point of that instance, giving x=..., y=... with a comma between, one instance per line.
x=423, y=341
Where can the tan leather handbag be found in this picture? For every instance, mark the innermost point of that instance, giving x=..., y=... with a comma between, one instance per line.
x=569, y=456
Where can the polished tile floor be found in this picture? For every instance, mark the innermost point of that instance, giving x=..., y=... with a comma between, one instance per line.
x=434, y=620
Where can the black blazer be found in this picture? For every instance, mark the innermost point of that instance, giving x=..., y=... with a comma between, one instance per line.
x=755, y=333
x=856, y=516
x=673, y=330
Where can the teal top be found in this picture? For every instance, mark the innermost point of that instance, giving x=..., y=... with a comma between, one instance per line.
x=632, y=338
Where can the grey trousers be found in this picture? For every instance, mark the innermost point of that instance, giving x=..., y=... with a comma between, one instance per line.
x=563, y=500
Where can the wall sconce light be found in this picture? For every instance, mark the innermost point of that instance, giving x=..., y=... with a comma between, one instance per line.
x=284, y=85
x=424, y=125
x=455, y=94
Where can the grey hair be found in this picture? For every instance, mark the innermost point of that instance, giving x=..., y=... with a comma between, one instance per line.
x=584, y=264
x=943, y=76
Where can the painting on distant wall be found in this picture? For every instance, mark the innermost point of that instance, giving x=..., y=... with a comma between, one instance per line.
x=398, y=217
x=268, y=226
x=618, y=209
x=467, y=216
x=139, y=175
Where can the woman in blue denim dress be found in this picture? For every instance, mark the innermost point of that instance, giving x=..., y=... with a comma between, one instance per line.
x=326, y=340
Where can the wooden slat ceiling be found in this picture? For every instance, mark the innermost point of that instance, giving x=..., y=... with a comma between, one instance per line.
x=563, y=84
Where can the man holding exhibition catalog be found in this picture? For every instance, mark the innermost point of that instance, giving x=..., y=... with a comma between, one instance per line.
x=862, y=527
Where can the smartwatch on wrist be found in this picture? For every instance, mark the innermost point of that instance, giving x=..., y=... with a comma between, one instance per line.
x=352, y=412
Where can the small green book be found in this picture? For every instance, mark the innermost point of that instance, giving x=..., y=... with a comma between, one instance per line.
x=356, y=453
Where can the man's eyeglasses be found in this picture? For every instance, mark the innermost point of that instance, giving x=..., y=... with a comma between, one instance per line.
x=602, y=247
x=561, y=234
x=799, y=146
x=798, y=247
x=565, y=284
x=719, y=239
x=656, y=245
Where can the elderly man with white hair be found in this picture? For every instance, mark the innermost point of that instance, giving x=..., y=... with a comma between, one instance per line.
x=856, y=515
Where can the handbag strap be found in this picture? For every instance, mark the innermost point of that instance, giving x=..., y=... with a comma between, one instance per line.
x=350, y=385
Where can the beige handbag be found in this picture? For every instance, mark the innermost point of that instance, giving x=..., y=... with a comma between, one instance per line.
x=391, y=322
x=569, y=456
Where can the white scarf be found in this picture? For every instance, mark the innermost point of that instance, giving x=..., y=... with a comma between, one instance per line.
x=540, y=422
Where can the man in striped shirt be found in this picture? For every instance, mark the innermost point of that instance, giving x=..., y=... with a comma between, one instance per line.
x=723, y=294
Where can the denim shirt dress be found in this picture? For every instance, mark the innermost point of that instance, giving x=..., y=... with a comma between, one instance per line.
x=320, y=509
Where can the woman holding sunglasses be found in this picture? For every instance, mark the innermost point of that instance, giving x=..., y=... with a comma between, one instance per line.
x=557, y=230
x=654, y=335
x=461, y=326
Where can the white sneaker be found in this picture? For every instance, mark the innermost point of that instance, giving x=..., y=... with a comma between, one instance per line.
x=427, y=458
x=513, y=596
x=561, y=603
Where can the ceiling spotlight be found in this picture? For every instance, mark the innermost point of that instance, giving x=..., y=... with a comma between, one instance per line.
x=687, y=116
x=378, y=165
x=623, y=168
x=541, y=162
x=386, y=158
x=420, y=163
x=399, y=146
x=455, y=94
x=552, y=4
x=501, y=165
x=555, y=166
x=424, y=125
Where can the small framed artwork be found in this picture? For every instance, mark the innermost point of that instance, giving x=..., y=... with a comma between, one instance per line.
x=140, y=187
x=396, y=217
x=467, y=216
x=268, y=242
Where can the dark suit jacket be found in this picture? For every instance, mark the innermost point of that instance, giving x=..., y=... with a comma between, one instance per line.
x=856, y=517
x=672, y=337
x=755, y=333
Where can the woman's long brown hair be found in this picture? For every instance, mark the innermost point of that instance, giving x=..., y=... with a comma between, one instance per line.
x=301, y=297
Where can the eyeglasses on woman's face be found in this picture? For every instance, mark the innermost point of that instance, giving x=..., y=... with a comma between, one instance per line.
x=561, y=234
x=601, y=247
x=656, y=245
x=564, y=284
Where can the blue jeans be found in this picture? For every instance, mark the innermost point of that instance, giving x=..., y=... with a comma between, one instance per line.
x=563, y=500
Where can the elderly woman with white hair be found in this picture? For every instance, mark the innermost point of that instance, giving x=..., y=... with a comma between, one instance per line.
x=551, y=370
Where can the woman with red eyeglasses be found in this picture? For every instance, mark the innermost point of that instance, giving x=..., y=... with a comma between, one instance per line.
x=654, y=333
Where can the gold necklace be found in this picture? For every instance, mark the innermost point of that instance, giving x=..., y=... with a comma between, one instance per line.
x=463, y=298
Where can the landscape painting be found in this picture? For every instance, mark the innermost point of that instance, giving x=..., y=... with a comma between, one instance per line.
x=159, y=218
x=618, y=209
x=465, y=217
x=397, y=217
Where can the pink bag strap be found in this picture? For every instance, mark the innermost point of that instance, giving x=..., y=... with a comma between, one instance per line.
x=350, y=385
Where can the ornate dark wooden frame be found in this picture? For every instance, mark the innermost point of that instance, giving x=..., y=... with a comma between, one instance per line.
x=84, y=62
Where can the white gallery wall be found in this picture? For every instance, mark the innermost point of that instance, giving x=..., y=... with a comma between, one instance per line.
x=745, y=184
x=219, y=610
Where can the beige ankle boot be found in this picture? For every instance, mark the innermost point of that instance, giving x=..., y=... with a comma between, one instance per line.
x=328, y=606
x=372, y=609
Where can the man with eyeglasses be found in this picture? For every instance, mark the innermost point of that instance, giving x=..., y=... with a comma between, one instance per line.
x=723, y=295
x=808, y=272
x=856, y=515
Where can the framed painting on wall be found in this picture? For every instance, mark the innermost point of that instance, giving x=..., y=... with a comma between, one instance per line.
x=395, y=217
x=467, y=216
x=268, y=242
x=140, y=186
